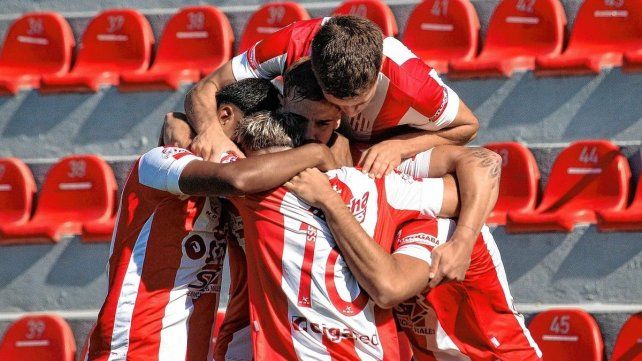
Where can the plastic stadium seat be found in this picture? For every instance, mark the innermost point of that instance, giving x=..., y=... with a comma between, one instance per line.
x=519, y=31
x=586, y=176
x=268, y=19
x=629, y=219
x=633, y=61
x=375, y=10
x=38, y=337
x=17, y=189
x=195, y=42
x=628, y=346
x=115, y=42
x=519, y=184
x=99, y=231
x=603, y=31
x=439, y=31
x=35, y=45
x=567, y=334
x=78, y=190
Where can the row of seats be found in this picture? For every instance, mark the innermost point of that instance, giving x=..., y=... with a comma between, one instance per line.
x=116, y=47
x=588, y=183
x=562, y=334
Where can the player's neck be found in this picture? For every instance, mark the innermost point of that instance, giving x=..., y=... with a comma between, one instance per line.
x=267, y=151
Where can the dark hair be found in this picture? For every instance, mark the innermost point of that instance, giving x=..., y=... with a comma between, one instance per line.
x=266, y=129
x=250, y=95
x=299, y=82
x=347, y=53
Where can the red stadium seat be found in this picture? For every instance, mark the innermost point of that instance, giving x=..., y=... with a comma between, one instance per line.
x=375, y=10
x=115, y=42
x=603, y=31
x=99, y=231
x=78, y=190
x=196, y=41
x=633, y=61
x=38, y=337
x=629, y=219
x=628, y=346
x=567, y=334
x=519, y=31
x=17, y=189
x=519, y=184
x=268, y=19
x=586, y=176
x=39, y=43
x=440, y=31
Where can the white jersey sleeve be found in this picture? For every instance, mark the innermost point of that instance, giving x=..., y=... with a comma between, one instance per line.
x=161, y=168
x=417, y=166
x=405, y=193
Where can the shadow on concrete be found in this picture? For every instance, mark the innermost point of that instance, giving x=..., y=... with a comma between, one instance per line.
x=79, y=264
x=39, y=114
x=614, y=106
x=117, y=113
x=476, y=91
x=522, y=252
x=607, y=253
x=16, y=260
x=534, y=99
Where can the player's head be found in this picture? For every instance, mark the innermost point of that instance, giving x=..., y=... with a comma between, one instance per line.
x=347, y=54
x=270, y=131
x=243, y=98
x=303, y=96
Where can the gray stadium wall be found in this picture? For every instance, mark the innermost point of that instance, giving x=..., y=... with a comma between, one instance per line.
x=601, y=271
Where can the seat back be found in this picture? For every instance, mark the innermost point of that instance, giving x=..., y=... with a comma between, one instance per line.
x=608, y=25
x=375, y=10
x=116, y=40
x=17, y=189
x=588, y=175
x=527, y=27
x=268, y=19
x=197, y=37
x=443, y=30
x=567, y=334
x=38, y=43
x=519, y=183
x=80, y=186
x=38, y=337
x=628, y=346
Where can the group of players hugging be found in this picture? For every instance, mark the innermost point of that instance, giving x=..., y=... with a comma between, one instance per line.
x=327, y=162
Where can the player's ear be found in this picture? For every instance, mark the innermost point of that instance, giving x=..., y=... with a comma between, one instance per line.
x=225, y=114
x=338, y=124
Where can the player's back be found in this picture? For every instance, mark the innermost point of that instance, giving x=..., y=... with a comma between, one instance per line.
x=304, y=302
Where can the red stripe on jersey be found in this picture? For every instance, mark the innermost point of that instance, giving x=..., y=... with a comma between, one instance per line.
x=203, y=317
x=305, y=283
x=158, y=278
x=347, y=308
x=342, y=350
x=294, y=41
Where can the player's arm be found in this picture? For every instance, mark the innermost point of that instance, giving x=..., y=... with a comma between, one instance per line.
x=340, y=148
x=200, y=102
x=388, y=279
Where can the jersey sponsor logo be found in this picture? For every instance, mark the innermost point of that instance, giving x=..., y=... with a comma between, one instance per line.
x=334, y=334
x=412, y=314
x=208, y=278
x=359, y=207
x=195, y=247
x=423, y=239
x=175, y=152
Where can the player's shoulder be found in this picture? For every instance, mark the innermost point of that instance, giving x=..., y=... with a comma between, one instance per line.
x=396, y=51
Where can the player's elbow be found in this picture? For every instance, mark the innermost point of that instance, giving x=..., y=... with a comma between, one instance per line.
x=388, y=294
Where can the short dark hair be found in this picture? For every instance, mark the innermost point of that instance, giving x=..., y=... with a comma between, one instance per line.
x=347, y=53
x=266, y=129
x=250, y=95
x=299, y=82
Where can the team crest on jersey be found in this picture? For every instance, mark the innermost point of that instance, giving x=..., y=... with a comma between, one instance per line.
x=423, y=239
x=175, y=152
x=334, y=334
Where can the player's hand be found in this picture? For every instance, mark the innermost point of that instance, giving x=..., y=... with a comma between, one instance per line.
x=210, y=146
x=381, y=159
x=340, y=148
x=312, y=186
x=450, y=261
x=176, y=131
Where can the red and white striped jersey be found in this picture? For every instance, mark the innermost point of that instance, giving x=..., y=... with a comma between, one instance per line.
x=470, y=320
x=164, y=271
x=408, y=91
x=304, y=302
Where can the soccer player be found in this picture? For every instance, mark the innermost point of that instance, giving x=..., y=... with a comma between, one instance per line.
x=304, y=302
x=167, y=250
x=472, y=319
x=377, y=83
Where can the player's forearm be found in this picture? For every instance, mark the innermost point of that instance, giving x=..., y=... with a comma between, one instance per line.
x=375, y=269
x=200, y=107
x=478, y=171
